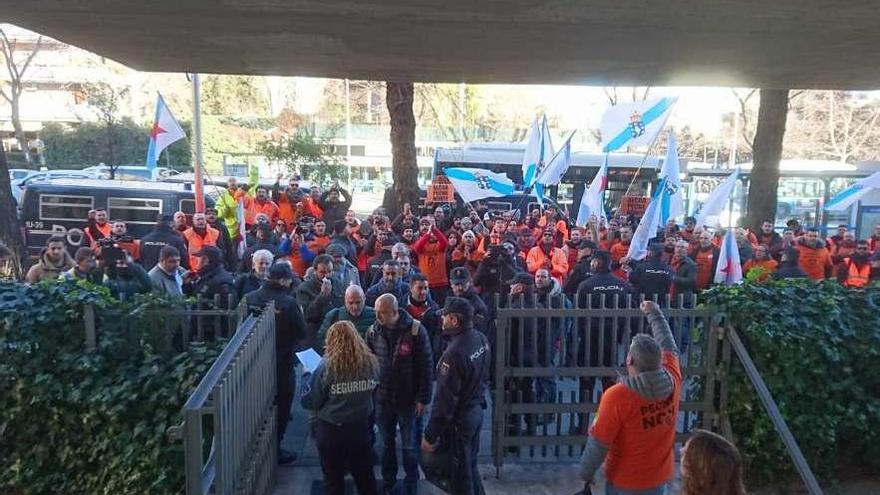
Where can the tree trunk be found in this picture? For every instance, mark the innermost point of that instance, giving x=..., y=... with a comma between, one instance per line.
x=766, y=153
x=404, y=168
x=16, y=124
x=10, y=235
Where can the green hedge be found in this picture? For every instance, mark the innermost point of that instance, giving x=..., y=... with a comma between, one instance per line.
x=87, y=423
x=818, y=349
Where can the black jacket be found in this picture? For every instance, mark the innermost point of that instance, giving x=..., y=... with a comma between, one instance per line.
x=314, y=305
x=374, y=268
x=579, y=273
x=225, y=244
x=215, y=282
x=684, y=280
x=462, y=379
x=160, y=237
x=245, y=283
x=591, y=290
x=492, y=275
x=427, y=313
x=652, y=278
x=334, y=211
x=405, y=362
x=290, y=328
x=481, y=310
x=788, y=269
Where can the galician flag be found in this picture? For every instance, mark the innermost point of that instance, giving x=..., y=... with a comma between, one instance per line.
x=539, y=153
x=710, y=210
x=477, y=183
x=648, y=225
x=672, y=205
x=729, y=269
x=591, y=202
x=851, y=194
x=634, y=124
x=165, y=131
x=242, y=229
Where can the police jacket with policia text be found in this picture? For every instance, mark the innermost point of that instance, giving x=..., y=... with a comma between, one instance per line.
x=338, y=401
x=405, y=361
x=462, y=377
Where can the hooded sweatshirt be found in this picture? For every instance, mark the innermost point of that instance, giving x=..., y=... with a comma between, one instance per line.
x=45, y=269
x=634, y=431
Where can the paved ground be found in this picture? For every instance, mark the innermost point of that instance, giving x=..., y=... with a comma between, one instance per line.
x=557, y=476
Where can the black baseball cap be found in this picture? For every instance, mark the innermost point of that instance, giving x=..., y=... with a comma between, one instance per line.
x=458, y=306
x=280, y=271
x=459, y=275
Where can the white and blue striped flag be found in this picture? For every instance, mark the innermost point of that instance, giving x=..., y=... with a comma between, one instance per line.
x=559, y=164
x=665, y=204
x=539, y=153
x=851, y=194
x=729, y=270
x=634, y=124
x=477, y=183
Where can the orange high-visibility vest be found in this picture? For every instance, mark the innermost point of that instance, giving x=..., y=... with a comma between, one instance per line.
x=857, y=277
x=195, y=243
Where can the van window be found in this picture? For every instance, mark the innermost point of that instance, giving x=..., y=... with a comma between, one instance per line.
x=65, y=207
x=134, y=210
x=188, y=206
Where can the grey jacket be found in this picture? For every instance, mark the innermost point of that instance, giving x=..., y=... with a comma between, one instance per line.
x=165, y=284
x=337, y=401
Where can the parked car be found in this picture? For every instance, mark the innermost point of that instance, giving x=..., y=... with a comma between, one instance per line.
x=62, y=207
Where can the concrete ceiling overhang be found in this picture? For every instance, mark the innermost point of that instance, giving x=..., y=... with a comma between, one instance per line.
x=759, y=43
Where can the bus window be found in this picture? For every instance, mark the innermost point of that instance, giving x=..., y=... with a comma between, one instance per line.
x=499, y=205
x=188, y=206
x=134, y=210
x=65, y=207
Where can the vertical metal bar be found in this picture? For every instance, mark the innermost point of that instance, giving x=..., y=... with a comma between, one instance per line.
x=499, y=405
x=91, y=332
x=192, y=451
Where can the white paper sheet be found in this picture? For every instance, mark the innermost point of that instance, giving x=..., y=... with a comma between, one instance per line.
x=309, y=359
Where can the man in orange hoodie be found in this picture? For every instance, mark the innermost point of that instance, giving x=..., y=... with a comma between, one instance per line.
x=815, y=260
x=431, y=248
x=620, y=249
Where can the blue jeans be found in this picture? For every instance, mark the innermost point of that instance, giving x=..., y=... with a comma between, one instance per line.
x=410, y=438
x=612, y=490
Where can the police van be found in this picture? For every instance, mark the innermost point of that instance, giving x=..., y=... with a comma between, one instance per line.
x=61, y=208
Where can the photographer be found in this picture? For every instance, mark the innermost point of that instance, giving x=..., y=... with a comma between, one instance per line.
x=123, y=276
x=118, y=236
x=497, y=268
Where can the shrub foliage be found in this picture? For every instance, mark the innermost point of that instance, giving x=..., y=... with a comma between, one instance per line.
x=818, y=349
x=76, y=422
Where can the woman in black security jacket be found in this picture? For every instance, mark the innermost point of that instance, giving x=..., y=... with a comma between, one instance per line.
x=340, y=393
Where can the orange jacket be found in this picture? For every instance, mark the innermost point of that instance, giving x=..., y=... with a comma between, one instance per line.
x=252, y=208
x=557, y=260
x=706, y=260
x=767, y=265
x=815, y=262
x=195, y=242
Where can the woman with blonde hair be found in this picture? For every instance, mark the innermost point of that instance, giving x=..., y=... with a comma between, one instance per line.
x=340, y=394
x=710, y=465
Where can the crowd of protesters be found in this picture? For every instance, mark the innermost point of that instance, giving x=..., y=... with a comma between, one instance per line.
x=387, y=279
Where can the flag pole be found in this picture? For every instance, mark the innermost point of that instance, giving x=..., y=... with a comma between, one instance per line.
x=197, y=137
x=529, y=189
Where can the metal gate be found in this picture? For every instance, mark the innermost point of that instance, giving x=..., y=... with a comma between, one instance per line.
x=229, y=420
x=549, y=364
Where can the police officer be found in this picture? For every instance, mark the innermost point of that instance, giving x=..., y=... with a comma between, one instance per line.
x=652, y=278
x=290, y=327
x=459, y=399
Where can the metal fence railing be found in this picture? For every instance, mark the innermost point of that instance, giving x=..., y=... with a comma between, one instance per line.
x=229, y=425
x=173, y=328
x=550, y=365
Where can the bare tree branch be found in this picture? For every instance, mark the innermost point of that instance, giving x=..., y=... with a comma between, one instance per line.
x=30, y=57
